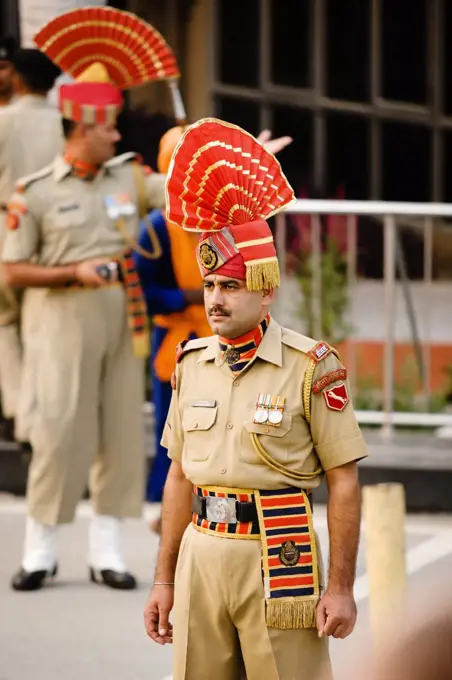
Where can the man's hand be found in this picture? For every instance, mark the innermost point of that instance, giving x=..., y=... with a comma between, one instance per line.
x=336, y=614
x=273, y=145
x=156, y=614
x=87, y=274
x=194, y=297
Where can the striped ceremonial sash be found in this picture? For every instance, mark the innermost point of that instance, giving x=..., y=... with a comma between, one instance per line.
x=289, y=553
x=289, y=558
x=136, y=305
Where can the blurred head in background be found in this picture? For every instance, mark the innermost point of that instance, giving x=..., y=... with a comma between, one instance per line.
x=34, y=73
x=8, y=48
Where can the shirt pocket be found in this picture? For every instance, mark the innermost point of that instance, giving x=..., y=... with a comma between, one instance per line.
x=197, y=423
x=62, y=218
x=275, y=440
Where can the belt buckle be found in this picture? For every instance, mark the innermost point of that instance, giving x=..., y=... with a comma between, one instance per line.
x=221, y=510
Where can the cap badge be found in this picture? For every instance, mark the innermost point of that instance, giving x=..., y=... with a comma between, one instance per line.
x=208, y=256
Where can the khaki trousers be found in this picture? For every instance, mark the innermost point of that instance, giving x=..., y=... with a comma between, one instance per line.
x=10, y=368
x=32, y=301
x=219, y=618
x=10, y=344
x=87, y=415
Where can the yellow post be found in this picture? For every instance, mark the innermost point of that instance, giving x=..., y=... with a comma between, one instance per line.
x=384, y=520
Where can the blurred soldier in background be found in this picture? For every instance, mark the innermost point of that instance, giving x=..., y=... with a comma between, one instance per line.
x=71, y=227
x=30, y=137
x=7, y=49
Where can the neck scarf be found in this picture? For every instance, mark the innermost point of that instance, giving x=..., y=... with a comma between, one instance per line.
x=239, y=352
x=85, y=171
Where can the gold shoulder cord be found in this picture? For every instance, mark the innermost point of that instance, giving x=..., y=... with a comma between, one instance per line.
x=278, y=467
x=143, y=213
x=307, y=387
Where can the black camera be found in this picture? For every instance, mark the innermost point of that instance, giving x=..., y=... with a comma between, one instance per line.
x=110, y=271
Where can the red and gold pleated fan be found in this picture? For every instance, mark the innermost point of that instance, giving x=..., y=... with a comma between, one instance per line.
x=220, y=175
x=132, y=51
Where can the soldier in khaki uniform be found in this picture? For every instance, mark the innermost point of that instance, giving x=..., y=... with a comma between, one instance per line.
x=259, y=416
x=23, y=151
x=70, y=230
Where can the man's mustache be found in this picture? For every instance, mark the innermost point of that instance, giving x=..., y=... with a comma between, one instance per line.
x=217, y=309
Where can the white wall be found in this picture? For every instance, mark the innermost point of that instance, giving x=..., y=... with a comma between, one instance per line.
x=433, y=309
x=34, y=14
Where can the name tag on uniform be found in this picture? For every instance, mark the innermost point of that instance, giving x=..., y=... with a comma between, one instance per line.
x=68, y=208
x=119, y=205
x=206, y=403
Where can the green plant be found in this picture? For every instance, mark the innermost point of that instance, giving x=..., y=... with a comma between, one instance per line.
x=448, y=386
x=368, y=396
x=334, y=295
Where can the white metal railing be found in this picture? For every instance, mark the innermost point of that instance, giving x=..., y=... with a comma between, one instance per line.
x=387, y=418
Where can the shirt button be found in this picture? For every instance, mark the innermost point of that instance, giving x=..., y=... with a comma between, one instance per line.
x=236, y=383
x=223, y=471
x=266, y=430
x=195, y=425
x=229, y=426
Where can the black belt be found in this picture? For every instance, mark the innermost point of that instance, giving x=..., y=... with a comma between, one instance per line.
x=245, y=512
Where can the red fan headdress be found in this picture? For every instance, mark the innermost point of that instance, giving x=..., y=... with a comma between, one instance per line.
x=224, y=183
x=106, y=50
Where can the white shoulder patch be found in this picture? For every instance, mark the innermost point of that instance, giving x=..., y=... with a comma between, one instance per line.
x=24, y=182
x=120, y=160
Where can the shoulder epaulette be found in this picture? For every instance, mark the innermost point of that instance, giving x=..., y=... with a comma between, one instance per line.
x=24, y=182
x=187, y=346
x=314, y=349
x=184, y=348
x=123, y=158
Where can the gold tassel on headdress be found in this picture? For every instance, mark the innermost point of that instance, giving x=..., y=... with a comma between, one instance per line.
x=262, y=274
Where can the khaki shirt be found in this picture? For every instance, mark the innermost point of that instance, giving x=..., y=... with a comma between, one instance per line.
x=213, y=442
x=31, y=136
x=63, y=219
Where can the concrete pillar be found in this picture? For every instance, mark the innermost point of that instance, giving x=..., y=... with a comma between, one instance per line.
x=384, y=520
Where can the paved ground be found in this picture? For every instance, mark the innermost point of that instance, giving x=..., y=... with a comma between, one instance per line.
x=78, y=631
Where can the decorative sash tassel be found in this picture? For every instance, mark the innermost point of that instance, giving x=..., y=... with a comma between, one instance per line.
x=289, y=558
x=291, y=613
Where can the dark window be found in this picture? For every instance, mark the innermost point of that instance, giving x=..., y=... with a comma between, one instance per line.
x=406, y=162
x=447, y=58
x=238, y=33
x=347, y=160
x=240, y=112
x=296, y=159
x=348, y=49
x=290, y=22
x=404, y=50
x=447, y=166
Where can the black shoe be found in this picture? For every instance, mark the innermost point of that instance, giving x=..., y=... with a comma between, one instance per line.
x=31, y=580
x=7, y=429
x=120, y=580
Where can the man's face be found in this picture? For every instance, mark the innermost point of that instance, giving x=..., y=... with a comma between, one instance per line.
x=6, y=78
x=101, y=141
x=232, y=310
